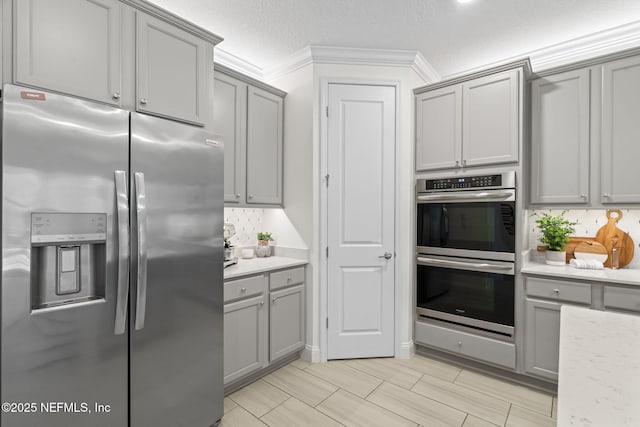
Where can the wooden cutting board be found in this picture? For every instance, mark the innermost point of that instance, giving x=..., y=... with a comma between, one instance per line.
x=573, y=243
x=611, y=237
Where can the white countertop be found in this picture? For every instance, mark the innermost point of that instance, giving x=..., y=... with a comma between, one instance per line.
x=599, y=369
x=626, y=276
x=247, y=267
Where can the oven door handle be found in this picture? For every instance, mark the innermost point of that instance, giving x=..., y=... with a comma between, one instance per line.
x=471, y=265
x=465, y=195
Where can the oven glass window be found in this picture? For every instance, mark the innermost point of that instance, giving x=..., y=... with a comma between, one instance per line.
x=472, y=294
x=484, y=226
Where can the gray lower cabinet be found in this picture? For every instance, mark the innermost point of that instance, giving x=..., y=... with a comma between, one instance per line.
x=584, y=124
x=264, y=321
x=70, y=46
x=544, y=299
x=620, y=298
x=249, y=116
x=172, y=71
x=245, y=327
x=286, y=321
x=470, y=121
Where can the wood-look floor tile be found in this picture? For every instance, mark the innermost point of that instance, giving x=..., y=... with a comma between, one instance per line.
x=294, y=413
x=521, y=417
x=300, y=364
x=239, y=417
x=259, y=397
x=353, y=411
x=229, y=404
x=344, y=376
x=472, y=421
x=554, y=410
x=515, y=393
x=387, y=369
x=415, y=407
x=482, y=405
x=301, y=385
x=432, y=367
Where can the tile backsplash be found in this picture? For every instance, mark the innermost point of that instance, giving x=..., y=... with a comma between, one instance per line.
x=589, y=222
x=247, y=221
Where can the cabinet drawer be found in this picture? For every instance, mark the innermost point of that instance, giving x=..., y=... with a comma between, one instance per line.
x=486, y=349
x=557, y=290
x=282, y=279
x=622, y=298
x=242, y=288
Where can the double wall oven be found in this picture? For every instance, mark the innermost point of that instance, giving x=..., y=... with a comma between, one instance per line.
x=465, y=252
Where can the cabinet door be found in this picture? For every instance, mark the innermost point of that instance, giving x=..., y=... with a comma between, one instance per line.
x=230, y=121
x=438, y=128
x=491, y=119
x=245, y=337
x=621, y=131
x=286, y=325
x=69, y=46
x=264, y=147
x=171, y=71
x=560, y=138
x=542, y=338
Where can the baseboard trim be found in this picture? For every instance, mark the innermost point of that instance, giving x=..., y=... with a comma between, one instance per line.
x=310, y=354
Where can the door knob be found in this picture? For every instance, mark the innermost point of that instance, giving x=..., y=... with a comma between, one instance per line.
x=387, y=255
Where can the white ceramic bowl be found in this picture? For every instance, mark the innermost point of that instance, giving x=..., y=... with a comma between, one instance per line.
x=247, y=253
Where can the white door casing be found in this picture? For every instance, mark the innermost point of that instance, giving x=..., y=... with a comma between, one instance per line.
x=360, y=220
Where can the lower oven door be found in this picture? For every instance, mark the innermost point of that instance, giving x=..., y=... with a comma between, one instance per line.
x=468, y=292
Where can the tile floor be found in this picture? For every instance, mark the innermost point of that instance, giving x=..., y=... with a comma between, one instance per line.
x=385, y=392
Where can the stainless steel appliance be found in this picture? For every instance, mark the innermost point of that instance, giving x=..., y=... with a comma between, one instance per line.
x=111, y=266
x=465, y=243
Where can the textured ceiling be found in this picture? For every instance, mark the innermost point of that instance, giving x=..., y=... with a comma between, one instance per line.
x=453, y=37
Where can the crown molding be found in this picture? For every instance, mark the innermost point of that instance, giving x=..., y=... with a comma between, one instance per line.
x=238, y=64
x=354, y=56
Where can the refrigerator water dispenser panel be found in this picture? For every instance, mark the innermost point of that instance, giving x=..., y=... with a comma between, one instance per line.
x=68, y=259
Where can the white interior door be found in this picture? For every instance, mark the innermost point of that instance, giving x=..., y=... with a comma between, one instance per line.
x=360, y=222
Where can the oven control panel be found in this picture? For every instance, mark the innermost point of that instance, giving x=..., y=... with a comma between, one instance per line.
x=481, y=181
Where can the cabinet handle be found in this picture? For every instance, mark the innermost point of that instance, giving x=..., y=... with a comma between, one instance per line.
x=243, y=290
x=143, y=101
x=556, y=291
x=237, y=195
x=459, y=343
x=464, y=162
x=289, y=279
x=606, y=195
x=115, y=95
x=584, y=196
x=457, y=163
x=250, y=196
x=274, y=299
x=261, y=303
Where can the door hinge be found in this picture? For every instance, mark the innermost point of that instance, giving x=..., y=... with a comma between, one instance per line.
x=327, y=323
x=326, y=110
x=326, y=180
x=327, y=251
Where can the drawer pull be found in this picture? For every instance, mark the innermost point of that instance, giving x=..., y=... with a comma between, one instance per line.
x=261, y=303
x=274, y=299
x=243, y=290
x=289, y=279
x=459, y=343
x=556, y=291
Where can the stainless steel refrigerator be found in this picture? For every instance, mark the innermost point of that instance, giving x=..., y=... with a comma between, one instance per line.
x=111, y=267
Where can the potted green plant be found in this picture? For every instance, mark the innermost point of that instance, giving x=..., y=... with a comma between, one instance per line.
x=263, y=249
x=556, y=231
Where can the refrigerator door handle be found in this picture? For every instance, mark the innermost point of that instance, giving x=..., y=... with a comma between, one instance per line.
x=122, y=297
x=141, y=210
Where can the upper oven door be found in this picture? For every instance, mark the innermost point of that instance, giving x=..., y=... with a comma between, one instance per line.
x=475, y=224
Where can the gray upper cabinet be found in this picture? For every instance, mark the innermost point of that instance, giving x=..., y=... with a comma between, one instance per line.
x=249, y=116
x=584, y=133
x=560, y=138
x=473, y=120
x=439, y=128
x=621, y=131
x=491, y=119
x=70, y=46
x=166, y=57
x=229, y=121
x=264, y=146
